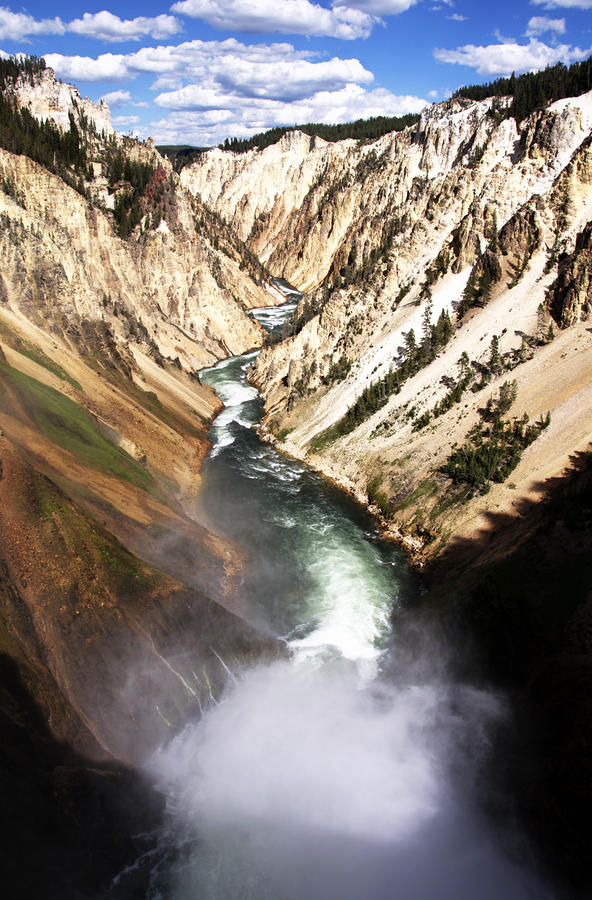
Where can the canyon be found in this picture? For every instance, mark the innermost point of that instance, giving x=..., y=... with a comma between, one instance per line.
x=393, y=228
x=125, y=609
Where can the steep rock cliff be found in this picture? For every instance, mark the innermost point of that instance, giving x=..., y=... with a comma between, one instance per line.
x=349, y=208
x=47, y=98
x=480, y=237
x=570, y=296
x=116, y=287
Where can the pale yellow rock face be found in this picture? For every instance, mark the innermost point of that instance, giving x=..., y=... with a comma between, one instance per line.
x=62, y=257
x=308, y=207
x=49, y=99
x=447, y=182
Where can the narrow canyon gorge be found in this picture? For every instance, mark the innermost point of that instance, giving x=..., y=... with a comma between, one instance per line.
x=295, y=492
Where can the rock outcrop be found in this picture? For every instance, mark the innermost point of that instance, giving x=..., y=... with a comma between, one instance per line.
x=317, y=211
x=46, y=98
x=570, y=296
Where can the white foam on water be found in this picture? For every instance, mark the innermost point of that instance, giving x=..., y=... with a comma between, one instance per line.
x=351, y=594
x=303, y=785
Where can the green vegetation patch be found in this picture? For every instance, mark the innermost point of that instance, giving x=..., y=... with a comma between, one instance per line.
x=426, y=488
x=89, y=542
x=324, y=438
x=25, y=348
x=376, y=495
x=70, y=426
x=495, y=445
x=42, y=359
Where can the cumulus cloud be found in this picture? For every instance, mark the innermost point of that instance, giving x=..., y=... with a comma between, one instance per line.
x=204, y=127
x=103, y=26
x=124, y=121
x=16, y=26
x=223, y=66
x=456, y=17
x=287, y=16
x=107, y=67
x=117, y=98
x=287, y=79
x=540, y=24
x=508, y=57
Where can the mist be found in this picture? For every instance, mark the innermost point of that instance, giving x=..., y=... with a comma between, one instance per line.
x=308, y=782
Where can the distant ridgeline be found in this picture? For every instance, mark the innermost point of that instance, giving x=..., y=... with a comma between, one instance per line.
x=534, y=89
x=180, y=154
x=360, y=130
x=529, y=92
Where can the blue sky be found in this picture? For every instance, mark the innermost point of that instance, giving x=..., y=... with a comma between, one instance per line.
x=197, y=71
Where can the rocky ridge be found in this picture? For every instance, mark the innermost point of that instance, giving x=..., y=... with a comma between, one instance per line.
x=398, y=227
x=46, y=98
x=317, y=211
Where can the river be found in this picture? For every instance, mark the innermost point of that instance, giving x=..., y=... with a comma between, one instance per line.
x=321, y=778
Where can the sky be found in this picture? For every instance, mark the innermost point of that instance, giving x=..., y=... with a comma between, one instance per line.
x=199, y=71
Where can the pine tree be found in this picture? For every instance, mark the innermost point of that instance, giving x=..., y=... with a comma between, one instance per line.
x=426, y=332
x=495, y=360
x=493, y=237
x=540, y=326
x=464, y=364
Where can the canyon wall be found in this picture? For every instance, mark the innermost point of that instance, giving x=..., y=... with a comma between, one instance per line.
x=123, y=609
x=392, y=232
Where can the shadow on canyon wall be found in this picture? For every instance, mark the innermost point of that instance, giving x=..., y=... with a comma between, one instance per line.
x=516, y=606
x=70, y=824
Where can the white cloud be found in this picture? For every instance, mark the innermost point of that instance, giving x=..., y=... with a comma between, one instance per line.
x=209, y=127
x=117, y=98
x=107, y=67
x=286, y=16
x=16, y=26
x=377, y=7
x=287, y=79
x=456, y=17
x=563, y=4
x=124, y=121
x=432, y=95
x=540, y=24
x=219, y=68
x=503, y=59
x=104, y=26
x=114, y=99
